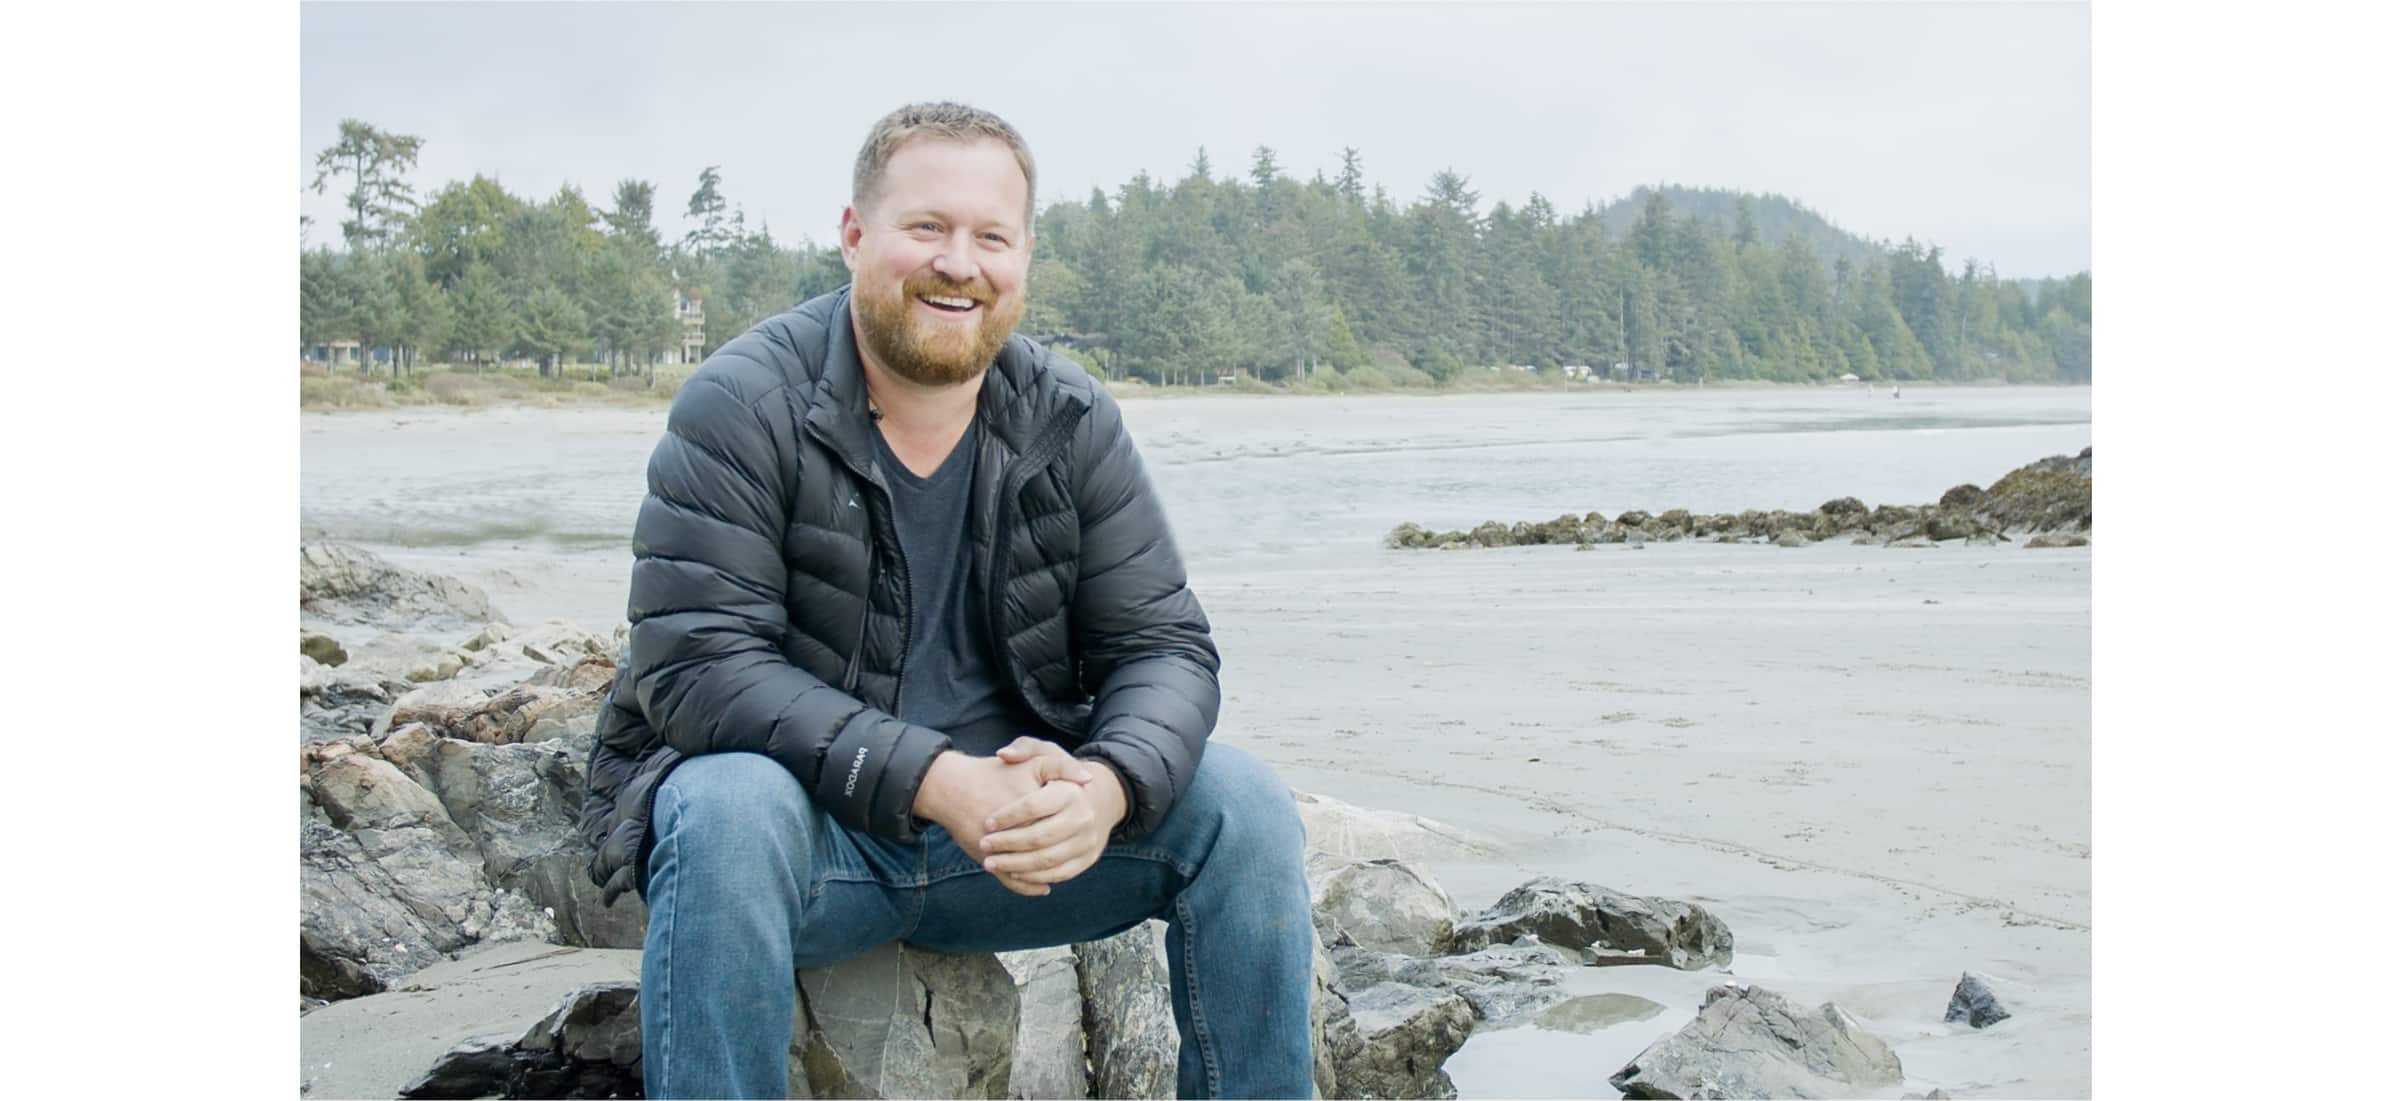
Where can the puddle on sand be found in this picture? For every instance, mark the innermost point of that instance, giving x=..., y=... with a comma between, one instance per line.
x=1595, y=1012
x=1537, y=1061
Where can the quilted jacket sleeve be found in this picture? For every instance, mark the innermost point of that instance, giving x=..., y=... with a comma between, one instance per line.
x=1146, y=650
x=709, y=611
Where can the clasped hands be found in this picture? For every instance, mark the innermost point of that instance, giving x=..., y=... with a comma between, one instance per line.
x=1033, y=815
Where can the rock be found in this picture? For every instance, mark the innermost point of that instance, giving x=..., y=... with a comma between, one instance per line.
x=1387, y=906
x=1844, y=508
x=1750, y=1042
x=1963, y=497
x=901, y=1021
x=1791, y=539
x=588, y=1046
x=490, y=634
x=1335, y=1040
x=1407, y=535
x=557, y=642
x=489, y=998
x=2047, y=495
x=2048, y=540
x=520, y=714
x=1910, y=542
x=477, y=1067
x=352, y=585
x=407, y=658
x=1500, y=983
x=1491, y=534
x=1050, y=1041
x=1930, y=1095
x=1347, y=832
x=1585, y=916
x=1676, y=518
x=388, y=883
x=1407, y=1032
x=1950, y=524
x=442, y=705
x=1973, y=1001
x=1125, y=995
x=322, y=647
x=1634, y=518
x=521, y=804
x=342, y=702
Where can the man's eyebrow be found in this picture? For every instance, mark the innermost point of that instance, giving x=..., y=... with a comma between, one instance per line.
x=909, y=214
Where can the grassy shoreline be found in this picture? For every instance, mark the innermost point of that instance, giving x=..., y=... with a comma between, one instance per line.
x=579, y=385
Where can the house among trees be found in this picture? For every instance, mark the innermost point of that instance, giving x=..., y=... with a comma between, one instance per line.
x=689, y=308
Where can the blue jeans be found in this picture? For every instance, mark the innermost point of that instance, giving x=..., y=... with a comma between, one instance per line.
x=749, y=882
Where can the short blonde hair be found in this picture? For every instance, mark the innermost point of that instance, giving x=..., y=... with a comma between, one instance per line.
x=946, y=122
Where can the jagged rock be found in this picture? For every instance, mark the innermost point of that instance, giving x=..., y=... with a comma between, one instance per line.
x=557, y=642
x=1964, y=496
x=342, y=702
x=2050, y=494
x=1335, y=1040
x=489, y=635
x=1844, y=507
x=388, y=883
x=1491, y=534
x=1973, y=1001
x=1676, y=518
x=1950, y=523
x=1125, y=993
x=901, y=1021
x=1750, y=1042
x=442, y=705
x=1592, y=519
x=1387, y=906
x=520, y=804
x=1407, y=1033
x=1050, y=1040
x=1623, y=928
x=352, y=585
x=408, y=658
x=1500, y=983
x=489, y=999
x=588, y=1046
x=2049, y=540
x=1792, y=539
x=1347, y=832
x=524, y=713
x=1634, y=518
x=324, y=648
x=1408, y=535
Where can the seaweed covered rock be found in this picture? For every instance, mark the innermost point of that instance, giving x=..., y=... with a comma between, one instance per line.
x=1625, y=928
x=2051, y=494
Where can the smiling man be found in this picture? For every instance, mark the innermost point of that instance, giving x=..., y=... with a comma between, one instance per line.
x=913, y=657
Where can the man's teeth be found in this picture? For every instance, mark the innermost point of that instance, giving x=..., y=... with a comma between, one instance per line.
x=952, y=303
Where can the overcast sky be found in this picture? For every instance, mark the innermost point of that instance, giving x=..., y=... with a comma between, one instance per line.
x=1964, y=125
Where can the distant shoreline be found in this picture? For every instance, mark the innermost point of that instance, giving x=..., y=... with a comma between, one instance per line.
x=576, y=389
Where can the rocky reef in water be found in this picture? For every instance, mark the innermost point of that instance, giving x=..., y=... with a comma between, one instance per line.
x=2050, y=501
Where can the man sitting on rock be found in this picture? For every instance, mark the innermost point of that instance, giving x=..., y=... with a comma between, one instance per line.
x=913, y=657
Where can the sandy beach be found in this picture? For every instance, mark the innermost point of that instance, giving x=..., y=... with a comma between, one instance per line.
x=1872, y=763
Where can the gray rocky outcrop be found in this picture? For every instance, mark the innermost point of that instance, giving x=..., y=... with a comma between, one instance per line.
x=1125, y=995
x=325, y=649
x=1751, y=1042
x=1501, y=984
x=407, y=657
x=2051, y=539
x=348, y=584
x=519, y=803
x=901, y=1021
x=1973, y=1001
x=588, y=1046
x=1612, y=927
x=388, y=882
x=1386, y=906
x=342, y=702
x=1050, y=1038
x=1405, y=1033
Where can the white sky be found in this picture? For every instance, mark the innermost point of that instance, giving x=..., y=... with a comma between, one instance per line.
x=1964, y=125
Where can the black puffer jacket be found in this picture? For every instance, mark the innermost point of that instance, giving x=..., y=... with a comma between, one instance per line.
x=769, y=603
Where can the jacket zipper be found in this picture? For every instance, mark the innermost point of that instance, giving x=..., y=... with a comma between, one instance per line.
x=1041, y=452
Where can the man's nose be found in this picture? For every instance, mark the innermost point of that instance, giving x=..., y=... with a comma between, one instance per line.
x=955, y=260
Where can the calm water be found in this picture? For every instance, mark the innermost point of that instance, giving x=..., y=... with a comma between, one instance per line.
x=1247, y=480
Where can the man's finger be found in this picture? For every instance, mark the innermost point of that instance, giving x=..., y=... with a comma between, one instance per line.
x=1060, y=873
x=1045, y=833
x=1063, y=766
x=1039, y=804
x=1021, y=887
x=1025, y=747
x=1031, y=863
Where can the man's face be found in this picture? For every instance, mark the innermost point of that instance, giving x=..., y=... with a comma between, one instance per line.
x=939, y=259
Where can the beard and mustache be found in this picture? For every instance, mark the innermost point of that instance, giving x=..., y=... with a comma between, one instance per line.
x=928, y=352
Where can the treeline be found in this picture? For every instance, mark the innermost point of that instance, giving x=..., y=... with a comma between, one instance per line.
x=1317, y=282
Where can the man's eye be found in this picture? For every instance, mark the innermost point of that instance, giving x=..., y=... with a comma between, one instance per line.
x=931, y=226
x=993, y=238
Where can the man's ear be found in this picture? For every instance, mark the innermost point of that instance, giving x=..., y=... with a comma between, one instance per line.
x=851, y=235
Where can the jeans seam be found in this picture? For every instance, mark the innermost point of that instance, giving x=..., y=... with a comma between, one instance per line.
x=1204, y=1032
x=664, y=1018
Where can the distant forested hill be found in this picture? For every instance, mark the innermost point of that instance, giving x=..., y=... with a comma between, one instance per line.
x=1721, y=210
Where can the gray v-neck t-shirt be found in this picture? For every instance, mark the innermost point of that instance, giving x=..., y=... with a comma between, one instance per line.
x=950, y=682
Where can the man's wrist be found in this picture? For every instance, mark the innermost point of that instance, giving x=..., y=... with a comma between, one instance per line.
x=1110, y=779
x=931, y=800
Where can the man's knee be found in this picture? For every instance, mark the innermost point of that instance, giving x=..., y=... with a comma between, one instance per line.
x=1256, y=811
x=719, y=797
